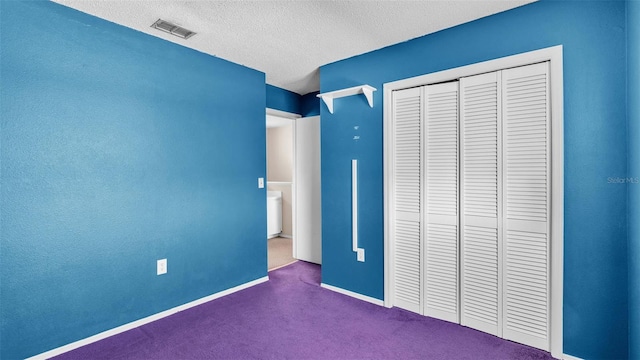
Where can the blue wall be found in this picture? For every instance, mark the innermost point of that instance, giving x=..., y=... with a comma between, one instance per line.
x=119, y=149
x=593, y=35
x=283, y=100
x=633, y=96
x=310, y=104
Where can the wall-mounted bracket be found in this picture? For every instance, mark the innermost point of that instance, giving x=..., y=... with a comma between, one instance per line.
x=354, y=211
x=362, y=89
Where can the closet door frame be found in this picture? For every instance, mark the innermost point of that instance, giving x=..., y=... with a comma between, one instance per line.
x=554, y=56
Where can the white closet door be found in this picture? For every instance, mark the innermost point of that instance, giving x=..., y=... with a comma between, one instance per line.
x=406, y=202
x=441, y=202
x=526, y=216
x=480, y=202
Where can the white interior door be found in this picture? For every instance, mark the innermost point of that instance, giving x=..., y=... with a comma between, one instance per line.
x=308, y=226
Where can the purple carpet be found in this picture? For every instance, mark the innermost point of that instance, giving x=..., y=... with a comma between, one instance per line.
x=292, y=317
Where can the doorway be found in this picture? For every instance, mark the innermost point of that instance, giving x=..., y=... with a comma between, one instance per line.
x=279, y=191
x=293, y=189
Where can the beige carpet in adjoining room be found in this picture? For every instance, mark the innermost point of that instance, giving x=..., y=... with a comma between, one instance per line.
x=279, y=252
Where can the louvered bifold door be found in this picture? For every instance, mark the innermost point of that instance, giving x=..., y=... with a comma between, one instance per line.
x=406, y=202
x=480, y=202
x=441, y=202
x=526, y=214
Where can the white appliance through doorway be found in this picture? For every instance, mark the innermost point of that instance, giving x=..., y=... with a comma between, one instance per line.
x=274, y=213
x=305, y=184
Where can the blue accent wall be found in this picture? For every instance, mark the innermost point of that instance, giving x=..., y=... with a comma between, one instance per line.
x=119, y=149
x=310, y=104
x=283, y=100
x=595, y=266
x=633, y=96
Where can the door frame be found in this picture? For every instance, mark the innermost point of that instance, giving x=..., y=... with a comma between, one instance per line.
x=295, y=202
x=555, y=57
x=293, y=117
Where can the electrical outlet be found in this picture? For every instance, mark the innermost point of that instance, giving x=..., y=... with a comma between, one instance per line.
x=361, y=255
x=162, y=266
x=260, y=183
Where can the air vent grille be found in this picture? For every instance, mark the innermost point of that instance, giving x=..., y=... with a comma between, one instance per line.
x=172, y=29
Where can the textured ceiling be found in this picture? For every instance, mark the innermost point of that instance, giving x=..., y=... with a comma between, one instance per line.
x=290, y=40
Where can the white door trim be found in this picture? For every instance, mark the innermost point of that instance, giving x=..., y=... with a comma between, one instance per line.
x=555, y=57
x=283, y=114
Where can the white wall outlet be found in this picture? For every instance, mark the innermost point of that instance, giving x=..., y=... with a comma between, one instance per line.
x=361, y=255
x=162, y=266
x=260, y=183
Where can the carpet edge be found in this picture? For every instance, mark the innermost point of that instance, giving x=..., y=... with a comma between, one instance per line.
x=146, y=320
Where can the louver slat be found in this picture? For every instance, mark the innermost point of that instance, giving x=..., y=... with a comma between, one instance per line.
x=480, y=201
x=406, y=231
x=526, y=192
x=441, y=277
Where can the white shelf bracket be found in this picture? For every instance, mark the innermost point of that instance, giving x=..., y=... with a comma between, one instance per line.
x=368, y=93
x=328, y=100
x=362, y=89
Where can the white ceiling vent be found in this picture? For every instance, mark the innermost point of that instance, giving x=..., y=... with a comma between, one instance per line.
x=173, y=29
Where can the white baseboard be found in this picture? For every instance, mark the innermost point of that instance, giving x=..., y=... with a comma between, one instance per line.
x=353, y=294
x=286, y=236
x=570, y=357
x=143, y=321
